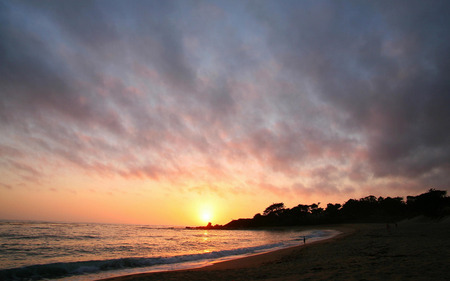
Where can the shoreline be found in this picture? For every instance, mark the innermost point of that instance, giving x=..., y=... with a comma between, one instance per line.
x=252, y=260
x=412, y=250
x=261, y=258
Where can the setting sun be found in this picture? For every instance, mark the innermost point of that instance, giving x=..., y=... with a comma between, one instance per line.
x=206, y=216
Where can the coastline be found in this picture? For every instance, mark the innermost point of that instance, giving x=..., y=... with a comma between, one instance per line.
x=254, y=260
x=414, y=250
x=259, y=259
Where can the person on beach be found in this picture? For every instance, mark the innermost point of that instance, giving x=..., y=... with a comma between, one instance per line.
x=304, y=239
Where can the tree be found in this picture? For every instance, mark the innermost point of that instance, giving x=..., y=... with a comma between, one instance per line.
x=431, y=203
x=315, y=210
x=391, y=206
x=332, y=209
x=273, y=209
x=302, y=208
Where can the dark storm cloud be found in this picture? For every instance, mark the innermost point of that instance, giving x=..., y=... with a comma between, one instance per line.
x=36, y=78
x=55, y=88
x=385, y=64
x=327, y=96
x=60, y=43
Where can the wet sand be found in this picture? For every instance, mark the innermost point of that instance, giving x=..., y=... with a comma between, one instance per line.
x=414, y=250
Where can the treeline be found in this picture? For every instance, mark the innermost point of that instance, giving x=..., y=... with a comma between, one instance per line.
x=433, y=203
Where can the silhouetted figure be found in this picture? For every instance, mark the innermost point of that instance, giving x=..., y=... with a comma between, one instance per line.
x=304, y=239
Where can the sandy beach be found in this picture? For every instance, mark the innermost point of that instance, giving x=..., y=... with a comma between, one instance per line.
x=417, y=249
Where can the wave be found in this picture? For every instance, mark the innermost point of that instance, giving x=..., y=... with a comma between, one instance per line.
x=60, y=270
x=12, y=236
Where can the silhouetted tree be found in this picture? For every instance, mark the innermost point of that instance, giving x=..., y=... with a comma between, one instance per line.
x=302, y=208
x=431, y=203
x=316, y=210
x=350, y=209
x=274, y=209
x=393, y=207
x=332, y=210
x=257, y=216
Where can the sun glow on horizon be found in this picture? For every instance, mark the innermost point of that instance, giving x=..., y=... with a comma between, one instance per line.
x=206, y=215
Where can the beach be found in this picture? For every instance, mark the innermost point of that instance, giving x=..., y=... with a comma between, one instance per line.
x=417, y=249
x=91, y=251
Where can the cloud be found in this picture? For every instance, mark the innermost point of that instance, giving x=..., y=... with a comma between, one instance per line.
x=382, y=67
x=6, y=186
x=296, y=97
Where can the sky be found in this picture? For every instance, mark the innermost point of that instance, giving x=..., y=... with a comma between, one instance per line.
x=167, y=112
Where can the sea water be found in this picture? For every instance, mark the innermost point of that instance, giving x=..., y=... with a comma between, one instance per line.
x=87, y=251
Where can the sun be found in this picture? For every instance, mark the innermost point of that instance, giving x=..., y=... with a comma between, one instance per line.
x=206, y=212
x=206, y=216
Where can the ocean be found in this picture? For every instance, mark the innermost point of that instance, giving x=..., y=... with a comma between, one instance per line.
x=88, y=251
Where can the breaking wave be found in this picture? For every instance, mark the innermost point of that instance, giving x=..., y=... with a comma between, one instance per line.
x=59, y=270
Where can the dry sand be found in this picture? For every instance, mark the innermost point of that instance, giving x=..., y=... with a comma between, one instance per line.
x=414, y=250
